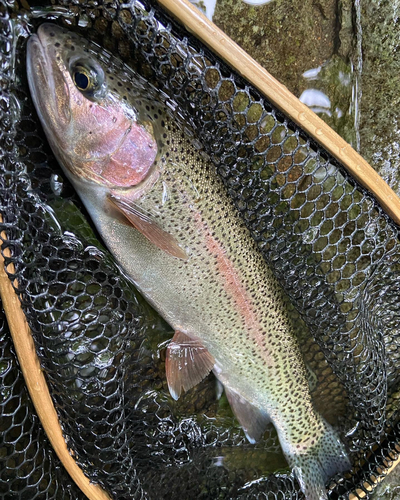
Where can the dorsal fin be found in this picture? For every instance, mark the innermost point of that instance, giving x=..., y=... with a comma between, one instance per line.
x=144, y=223
x=253, y=420
x=187, y=363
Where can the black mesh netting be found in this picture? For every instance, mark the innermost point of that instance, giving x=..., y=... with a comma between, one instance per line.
x=102, y=347
x=29, y=468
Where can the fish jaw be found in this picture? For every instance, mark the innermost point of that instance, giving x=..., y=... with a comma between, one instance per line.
x=95, y=137
x=53, y=110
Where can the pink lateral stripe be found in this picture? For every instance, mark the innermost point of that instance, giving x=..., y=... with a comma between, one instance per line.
x=233, y=285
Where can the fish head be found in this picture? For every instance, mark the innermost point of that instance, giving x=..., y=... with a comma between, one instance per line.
x=87, y=112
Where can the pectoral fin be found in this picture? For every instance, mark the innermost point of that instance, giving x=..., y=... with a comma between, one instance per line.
x=253, y=420
x=187, y=363
x=144, y=223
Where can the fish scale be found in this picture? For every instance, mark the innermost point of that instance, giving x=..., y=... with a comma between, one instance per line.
x=170, y=224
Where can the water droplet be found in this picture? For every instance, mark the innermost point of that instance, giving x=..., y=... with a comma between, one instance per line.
x=51, y=12
x=165, y=193
x=114, y=119
x=218, y=461
x=310, y=235
x=302, y=116
x=351, y=293
x=56, y=184
x=71, y=240
x=353, y=430
x=83, y=21
x=371, y=229
x=319, y=131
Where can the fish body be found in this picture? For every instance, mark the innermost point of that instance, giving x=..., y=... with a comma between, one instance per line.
x=165, y=215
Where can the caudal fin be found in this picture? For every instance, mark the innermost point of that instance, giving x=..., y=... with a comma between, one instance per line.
x=322, y=461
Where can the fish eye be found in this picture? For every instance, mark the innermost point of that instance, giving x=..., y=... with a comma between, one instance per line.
x=87, y=79
x=81, y=80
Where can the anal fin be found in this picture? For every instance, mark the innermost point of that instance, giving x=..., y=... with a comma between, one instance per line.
x=187, y=363
x=253, y=420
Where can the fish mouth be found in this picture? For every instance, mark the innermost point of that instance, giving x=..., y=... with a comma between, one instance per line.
x=38, y=72
x=46, y=80
x=37, y=57
x=47, y=32
x=36, y=60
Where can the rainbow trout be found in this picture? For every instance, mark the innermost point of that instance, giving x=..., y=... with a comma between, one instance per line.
x=164, y=214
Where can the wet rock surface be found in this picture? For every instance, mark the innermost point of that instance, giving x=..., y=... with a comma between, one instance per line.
x=287, y=38
x=379, y=81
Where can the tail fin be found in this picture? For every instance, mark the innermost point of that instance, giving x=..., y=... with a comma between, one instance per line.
x=322, y=461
